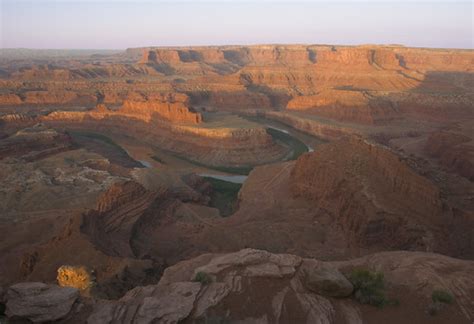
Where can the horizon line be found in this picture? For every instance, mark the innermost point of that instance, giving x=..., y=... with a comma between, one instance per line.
x=233, y=45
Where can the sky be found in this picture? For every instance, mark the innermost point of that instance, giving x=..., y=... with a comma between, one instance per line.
x=120, y=24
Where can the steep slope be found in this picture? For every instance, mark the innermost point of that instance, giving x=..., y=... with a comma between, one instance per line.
x=454, y=150
x=375, y=196
x=110, y=225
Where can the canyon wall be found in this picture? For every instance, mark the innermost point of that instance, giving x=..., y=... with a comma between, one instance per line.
x=454, y=151
x=375, y=196
x=361, y=57
x=212, y=146
x=352, y=106
x=144, y=111
x=110, y=225
x=317, y=127
x=362, y=84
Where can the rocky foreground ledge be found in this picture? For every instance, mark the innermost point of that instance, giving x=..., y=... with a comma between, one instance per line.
x=255, y=286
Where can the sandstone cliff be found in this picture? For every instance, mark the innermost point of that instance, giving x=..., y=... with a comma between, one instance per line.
x=398, y=81
x=110, y=225
x=345, y=105
x=170, y=126
x=373, y=193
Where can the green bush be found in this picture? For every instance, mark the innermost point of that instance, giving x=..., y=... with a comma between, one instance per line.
x=369, y=287
x=442, y=296
x=203, y=278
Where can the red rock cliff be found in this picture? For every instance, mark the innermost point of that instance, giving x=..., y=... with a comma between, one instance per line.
x=374, y=195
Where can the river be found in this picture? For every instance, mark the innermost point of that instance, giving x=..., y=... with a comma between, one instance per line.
x=229, y=178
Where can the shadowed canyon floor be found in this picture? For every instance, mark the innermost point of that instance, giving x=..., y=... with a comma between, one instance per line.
x=237, y=184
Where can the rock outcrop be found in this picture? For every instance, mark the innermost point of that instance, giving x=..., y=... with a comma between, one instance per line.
x=35, y=143
x=255, y=286
x=167, y=109
x=110, y=226
x=325, y=280
x=172, y=112
x=38, y=302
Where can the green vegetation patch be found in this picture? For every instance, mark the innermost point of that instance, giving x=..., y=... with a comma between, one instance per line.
x=439, y=298
x=297, y=146
x=369, y=288
x=203, y=278
x=224, y=195
x=442, y=296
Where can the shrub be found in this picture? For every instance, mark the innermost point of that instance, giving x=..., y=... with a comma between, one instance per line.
x=78, y=277
x=442, y=296
x=203, y=278
x=369, y=287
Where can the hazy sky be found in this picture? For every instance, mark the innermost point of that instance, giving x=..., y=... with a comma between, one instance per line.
x=117, y=24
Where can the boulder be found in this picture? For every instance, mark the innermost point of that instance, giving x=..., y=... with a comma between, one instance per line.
x=325, y=280
x=253, y=263
x=164, y=304
x=40, y=302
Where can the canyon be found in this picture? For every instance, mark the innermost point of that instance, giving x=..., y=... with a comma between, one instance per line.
x=185, y=184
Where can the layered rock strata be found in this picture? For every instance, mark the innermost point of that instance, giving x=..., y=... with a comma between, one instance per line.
x=375, y=196
x=212, y=146
x=256, y=286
